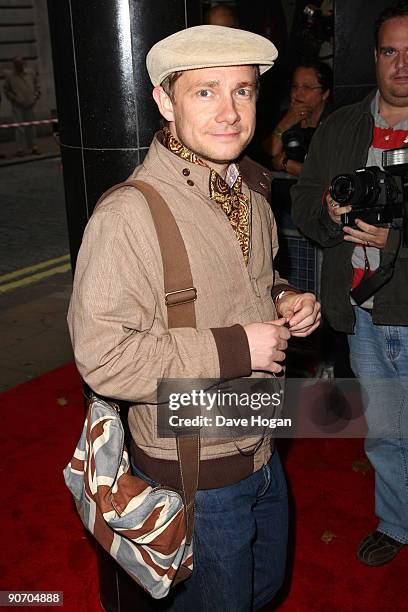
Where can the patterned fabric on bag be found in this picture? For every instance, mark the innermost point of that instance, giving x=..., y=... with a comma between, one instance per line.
x=143, y=528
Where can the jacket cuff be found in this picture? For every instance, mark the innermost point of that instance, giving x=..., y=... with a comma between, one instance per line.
x=233, y=351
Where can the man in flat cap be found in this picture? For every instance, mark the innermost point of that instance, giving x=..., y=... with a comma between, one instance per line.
x=205, y=85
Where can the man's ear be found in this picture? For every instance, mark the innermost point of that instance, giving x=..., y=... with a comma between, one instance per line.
x=375, y=55
x=164, y=103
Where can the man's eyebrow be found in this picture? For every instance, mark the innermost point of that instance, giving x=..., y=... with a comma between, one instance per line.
x=213, y=83
x=216, y=83
x=246, y=84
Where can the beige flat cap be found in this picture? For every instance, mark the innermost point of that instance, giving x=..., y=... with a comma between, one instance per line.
x=207, y=46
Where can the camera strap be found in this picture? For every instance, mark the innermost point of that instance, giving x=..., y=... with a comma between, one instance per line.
x=373, y=282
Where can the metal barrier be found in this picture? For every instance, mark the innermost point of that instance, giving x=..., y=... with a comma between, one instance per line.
x=5, y=126
x=299, y=260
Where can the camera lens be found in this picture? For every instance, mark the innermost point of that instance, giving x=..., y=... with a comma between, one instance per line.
x=342, y=188
x=293, y=141
x=359, y=189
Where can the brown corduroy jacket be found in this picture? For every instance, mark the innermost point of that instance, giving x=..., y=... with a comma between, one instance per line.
x=117, y=316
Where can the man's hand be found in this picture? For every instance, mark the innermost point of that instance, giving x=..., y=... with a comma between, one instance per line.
x=366, y=234
x=267, y=344
x=335, y=209
x=300, y=111
x=296, y=112
x=295, y=166
x=301, y=311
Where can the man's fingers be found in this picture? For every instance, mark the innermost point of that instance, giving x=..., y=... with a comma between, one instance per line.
x=278, y=322
x=303, y=334
x=282, y=345
x=306, y=312
x=366, y=227
x=279, y=356
x=361, y=237
x=307, y=322
x=287, y=315
x=335, y=209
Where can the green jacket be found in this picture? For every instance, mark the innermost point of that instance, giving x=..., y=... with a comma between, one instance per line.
x=341, y=145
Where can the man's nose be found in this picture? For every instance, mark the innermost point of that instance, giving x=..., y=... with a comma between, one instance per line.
x=402, y=59
x=227, y=111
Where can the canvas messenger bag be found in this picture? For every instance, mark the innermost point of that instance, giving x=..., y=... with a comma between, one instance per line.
x=148, y=530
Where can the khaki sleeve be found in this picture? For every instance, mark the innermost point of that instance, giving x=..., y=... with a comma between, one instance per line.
x=117, y=325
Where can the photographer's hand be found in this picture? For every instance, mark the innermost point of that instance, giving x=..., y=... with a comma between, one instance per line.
x=368, y=235
x=335, y=209
x=281, y=163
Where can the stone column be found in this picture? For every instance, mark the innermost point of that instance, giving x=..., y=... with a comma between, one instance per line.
x=107, y=116
x=107, y=119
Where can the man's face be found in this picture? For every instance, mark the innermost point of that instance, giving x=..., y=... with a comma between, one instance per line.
x=222, y=15
x=392, y=61
x=213, y=112
x=19, y=64
x=306, y=89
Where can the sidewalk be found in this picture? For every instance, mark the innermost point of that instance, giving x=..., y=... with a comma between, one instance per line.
x=47, y=146
x=33, y=330
x=34, y=335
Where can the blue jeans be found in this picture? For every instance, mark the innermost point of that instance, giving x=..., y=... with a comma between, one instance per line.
x=240, y=539
x=379, y=358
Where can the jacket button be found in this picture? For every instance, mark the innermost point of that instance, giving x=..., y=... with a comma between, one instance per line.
x=190, y=182
x=186, y=171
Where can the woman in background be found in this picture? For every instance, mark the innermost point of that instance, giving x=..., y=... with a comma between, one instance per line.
x=288, y=143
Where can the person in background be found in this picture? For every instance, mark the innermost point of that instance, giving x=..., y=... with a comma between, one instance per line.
x=22, y=88
x=288, y=143
x=327, y=47
x=309, y=95
x=365, y=273
x=222, y=15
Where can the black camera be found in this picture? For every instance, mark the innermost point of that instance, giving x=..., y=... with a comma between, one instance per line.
x=378, y=197
x=319, y=25
x=294, y=144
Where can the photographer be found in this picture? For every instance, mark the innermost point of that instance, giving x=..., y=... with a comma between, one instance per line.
x=290, y=139
x=354, y=137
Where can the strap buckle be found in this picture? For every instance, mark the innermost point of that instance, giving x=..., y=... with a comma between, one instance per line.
x=179, y=298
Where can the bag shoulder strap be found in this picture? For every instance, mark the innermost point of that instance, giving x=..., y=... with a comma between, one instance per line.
x=179, y=291
x=180, y=295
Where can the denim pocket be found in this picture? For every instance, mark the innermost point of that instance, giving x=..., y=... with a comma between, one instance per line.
x=140, y=474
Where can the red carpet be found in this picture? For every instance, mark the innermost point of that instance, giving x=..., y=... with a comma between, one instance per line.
x=45, y=548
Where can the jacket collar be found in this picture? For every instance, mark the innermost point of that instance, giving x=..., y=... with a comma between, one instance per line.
x=168, y=167
x=366, y=102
